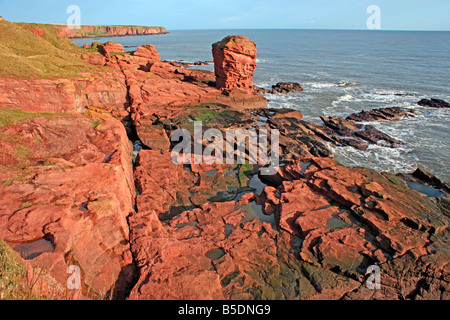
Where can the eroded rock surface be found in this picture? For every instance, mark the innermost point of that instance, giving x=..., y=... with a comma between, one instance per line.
x=312, y=237
x=67, y=190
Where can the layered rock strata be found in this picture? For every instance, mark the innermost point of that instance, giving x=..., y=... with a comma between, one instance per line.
x=234, y=63
x=67, y=190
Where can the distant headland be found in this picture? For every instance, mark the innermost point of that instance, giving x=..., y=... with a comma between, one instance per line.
x=95, y=31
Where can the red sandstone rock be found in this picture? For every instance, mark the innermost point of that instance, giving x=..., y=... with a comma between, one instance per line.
x=161, y=86
x=148, y=51
x=37, y=31
x=234, y=63
x=110, y=47
x=94, y=59
x=78, y=199
x=153, y=136
x=107, y=90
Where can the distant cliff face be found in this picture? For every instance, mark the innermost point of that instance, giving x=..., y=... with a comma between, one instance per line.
x=115, y=31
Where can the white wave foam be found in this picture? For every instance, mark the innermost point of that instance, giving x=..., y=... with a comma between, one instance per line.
x=347, y=97
x=320, y=85
x=379, y=158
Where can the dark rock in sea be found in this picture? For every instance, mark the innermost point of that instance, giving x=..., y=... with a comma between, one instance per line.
x=381, y=114
x=427, y=177
x=180, y=63
x=200, y=63
x=375, y=136
x=342, y=127
x=260, y=90
x=350, y=133
x=355, y=143
x=433, y=103
x=287, y=87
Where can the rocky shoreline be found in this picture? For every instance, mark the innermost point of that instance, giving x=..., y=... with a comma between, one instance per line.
x=87, y=179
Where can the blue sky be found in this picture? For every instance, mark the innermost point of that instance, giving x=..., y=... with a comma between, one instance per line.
x=237, y=14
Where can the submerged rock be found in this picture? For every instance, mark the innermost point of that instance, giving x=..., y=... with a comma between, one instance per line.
x=286, y=87
x=381, y=114
x=433, y=103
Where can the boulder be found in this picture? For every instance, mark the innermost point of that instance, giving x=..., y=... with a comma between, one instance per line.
x=110, y=47
x=95, y=59
x=286, y=87
x=148, y=51
x=433, y=103
x=261, y=90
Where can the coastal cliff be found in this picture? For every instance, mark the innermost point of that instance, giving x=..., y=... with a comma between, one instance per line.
x=87, y=180
x=91, y=31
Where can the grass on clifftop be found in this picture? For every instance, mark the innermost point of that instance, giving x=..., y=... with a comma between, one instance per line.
x=9, y=116
x=12, y=275
x=29, y=50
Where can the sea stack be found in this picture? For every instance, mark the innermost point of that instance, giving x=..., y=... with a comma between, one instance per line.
x=234, y=63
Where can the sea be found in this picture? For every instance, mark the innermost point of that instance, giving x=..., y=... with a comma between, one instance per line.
x=343, y=72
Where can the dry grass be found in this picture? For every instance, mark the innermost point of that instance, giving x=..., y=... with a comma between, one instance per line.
x=17, y=282
x=26, y=55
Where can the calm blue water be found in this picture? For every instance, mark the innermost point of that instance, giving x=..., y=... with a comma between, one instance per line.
x=345, y=72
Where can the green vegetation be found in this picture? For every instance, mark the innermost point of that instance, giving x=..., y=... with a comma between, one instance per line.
x=29, y=50
x=25, y=205
x=204, y=116
x=16, y=283
x=96, y=123
x=215, y=113
x=235, y=40
x=12, y=275
x=22, y=152
x=246, y=171
x=224, y=42
x=9, y=116
x=22, y=177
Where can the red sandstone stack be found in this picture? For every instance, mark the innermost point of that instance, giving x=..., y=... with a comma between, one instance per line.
x=234, y=63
